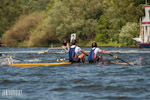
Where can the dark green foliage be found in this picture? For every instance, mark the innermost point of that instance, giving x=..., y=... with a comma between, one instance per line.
x=128, y=32
x=139, y=2
x=29, y=6
x=9, y=12
x=117, y=14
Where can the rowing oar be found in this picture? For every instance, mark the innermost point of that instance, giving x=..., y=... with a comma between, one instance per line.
x=116, y=57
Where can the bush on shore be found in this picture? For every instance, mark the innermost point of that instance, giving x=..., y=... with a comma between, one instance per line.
x=21, y=30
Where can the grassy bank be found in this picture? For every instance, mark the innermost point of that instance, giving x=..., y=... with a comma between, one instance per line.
x=83, y=44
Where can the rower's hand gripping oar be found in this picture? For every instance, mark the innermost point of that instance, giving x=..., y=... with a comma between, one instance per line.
x=58, y=60
x=62, y=59
x=116, y=57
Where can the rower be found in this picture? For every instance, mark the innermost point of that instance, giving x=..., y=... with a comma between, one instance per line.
x=73, y=53
x=93, y=58
x=65, y=44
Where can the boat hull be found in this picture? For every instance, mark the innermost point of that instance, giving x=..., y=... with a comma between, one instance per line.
x=141, y=45
x=117, y=63
x=144, y=45
x=56, y=64
x=40, y=64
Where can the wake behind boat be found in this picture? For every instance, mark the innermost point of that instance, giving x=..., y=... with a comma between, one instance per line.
x=53, y=50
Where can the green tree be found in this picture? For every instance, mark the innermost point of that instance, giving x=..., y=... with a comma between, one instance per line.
x=139, y=2
x=66, y=17
x=29, y=6
x=9, y=12
x=101, y=20
x=127, y=32
x=116, y=15
x=103, y=32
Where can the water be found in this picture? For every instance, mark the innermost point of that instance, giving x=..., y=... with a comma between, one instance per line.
x=77, y=81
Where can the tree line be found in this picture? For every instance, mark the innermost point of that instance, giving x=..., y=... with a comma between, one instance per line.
x=45, y=22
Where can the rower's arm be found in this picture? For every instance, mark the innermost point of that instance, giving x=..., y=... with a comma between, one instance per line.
x=68, y=46
x=104, y=52
x=84, y=52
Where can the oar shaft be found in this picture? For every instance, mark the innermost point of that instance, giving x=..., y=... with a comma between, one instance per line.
x=120, y=59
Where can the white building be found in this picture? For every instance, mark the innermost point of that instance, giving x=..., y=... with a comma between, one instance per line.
x=145, y=26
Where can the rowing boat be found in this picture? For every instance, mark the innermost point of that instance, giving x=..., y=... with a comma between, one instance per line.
x=56, y=64
x=39, y=64
x=117, y=63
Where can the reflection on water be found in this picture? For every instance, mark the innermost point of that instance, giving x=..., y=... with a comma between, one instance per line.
x=78, y=81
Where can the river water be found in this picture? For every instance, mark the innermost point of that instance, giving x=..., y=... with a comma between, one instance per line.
x=77, y=81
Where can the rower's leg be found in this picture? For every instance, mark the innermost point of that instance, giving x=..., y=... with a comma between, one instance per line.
x=101, y=58
x=82, y=56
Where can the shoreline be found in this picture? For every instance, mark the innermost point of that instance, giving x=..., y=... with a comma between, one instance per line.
x=83, y=44
x=80, y=45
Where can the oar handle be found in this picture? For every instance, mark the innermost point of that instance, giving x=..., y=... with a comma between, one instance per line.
x=62, y=59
